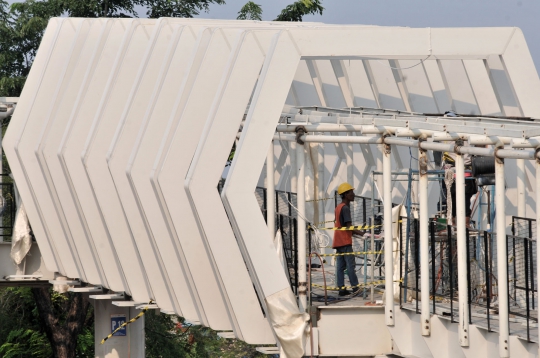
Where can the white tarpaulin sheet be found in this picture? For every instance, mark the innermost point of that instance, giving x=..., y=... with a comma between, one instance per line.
x=21, y=240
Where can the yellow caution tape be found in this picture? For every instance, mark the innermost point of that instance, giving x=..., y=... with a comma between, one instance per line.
x=358, y=227
x=350, y=228
x=324, y=222
x=374, y=283
x=323, y=199
x=354, y=253
x=128, y=322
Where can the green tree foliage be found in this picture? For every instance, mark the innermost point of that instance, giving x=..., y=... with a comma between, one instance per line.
x=178, y=8
x=97, y=8
x=250, y=11
x=22, y=331
x=21, y=29
x=22, y=26
x=298, y=9
x=170, y=336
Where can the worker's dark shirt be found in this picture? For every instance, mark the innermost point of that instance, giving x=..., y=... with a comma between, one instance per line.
x=345, y=215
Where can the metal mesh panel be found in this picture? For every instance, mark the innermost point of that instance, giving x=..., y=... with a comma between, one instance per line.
x=361, y=209
x=524, y=227
x=8, y=209
x=286, y=224
x=260, y=194
x=483, y=278
x=409, y=261
x=523, y=281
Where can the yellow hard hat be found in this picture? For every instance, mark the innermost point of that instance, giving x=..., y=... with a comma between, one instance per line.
x=342, y=188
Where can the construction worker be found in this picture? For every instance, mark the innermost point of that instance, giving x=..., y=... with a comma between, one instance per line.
x=343, y=240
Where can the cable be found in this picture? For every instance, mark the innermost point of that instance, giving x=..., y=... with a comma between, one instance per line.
x=405, y=68
x=322, y=239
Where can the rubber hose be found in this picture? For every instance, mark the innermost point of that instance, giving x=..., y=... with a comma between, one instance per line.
x=483, y=165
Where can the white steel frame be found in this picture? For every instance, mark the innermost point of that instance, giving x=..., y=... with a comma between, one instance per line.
x=106, y=198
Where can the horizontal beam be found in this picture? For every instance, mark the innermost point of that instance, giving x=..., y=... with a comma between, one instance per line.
x=22, y=277
x=126, y=303
x=112, y=296
x=434, y=146
x=85, y=289
x=321, y=128
x=64, y=282
x=330, y=139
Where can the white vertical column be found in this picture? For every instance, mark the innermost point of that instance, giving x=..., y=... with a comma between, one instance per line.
x=424, y=242
x=294, y=170
x=378, y=182
x=521, y=196
x=502, y=258
x=350, y=164
x=131, y=345
x=538, y=221
x=301, y=204
x=388, y=239
x=462, y=252
x=320, y=181
x=270, y=192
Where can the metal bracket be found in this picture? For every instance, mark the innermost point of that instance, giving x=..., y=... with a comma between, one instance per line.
x=536, y=154
x=457, y=146
x=386, y=147
x=300, y=131
x=497, y=159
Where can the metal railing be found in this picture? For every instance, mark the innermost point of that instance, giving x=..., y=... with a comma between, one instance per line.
x=523, y=293
x=482, y=274
x=8, y=208
x=287, y=225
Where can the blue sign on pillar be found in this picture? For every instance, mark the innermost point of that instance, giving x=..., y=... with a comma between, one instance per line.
x=116, y=321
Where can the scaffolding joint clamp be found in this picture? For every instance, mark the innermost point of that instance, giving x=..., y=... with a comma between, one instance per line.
x=457, y=146
x=537, y=154
x=497, y=158
x=300, y=131
x=386, y=147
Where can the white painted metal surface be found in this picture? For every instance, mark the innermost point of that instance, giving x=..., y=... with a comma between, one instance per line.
x=537, y=183
x=172, y=287
x=388, y=235
x=41, y=62
x=502, y=258
x=172, y=162
x=140, y=116
x=462, y=248
x=99, y=81
x=302, y=223
x=425, y=319
x=55, y=121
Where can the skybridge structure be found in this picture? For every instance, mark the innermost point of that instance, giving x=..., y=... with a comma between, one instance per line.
x=125, y=126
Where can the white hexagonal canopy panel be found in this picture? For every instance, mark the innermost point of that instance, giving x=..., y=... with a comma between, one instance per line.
x=124, y=128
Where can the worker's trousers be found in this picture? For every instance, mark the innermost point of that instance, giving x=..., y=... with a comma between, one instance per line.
x=348, y=262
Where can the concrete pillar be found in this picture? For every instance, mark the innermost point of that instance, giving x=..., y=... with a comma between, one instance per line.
x=132, y=345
